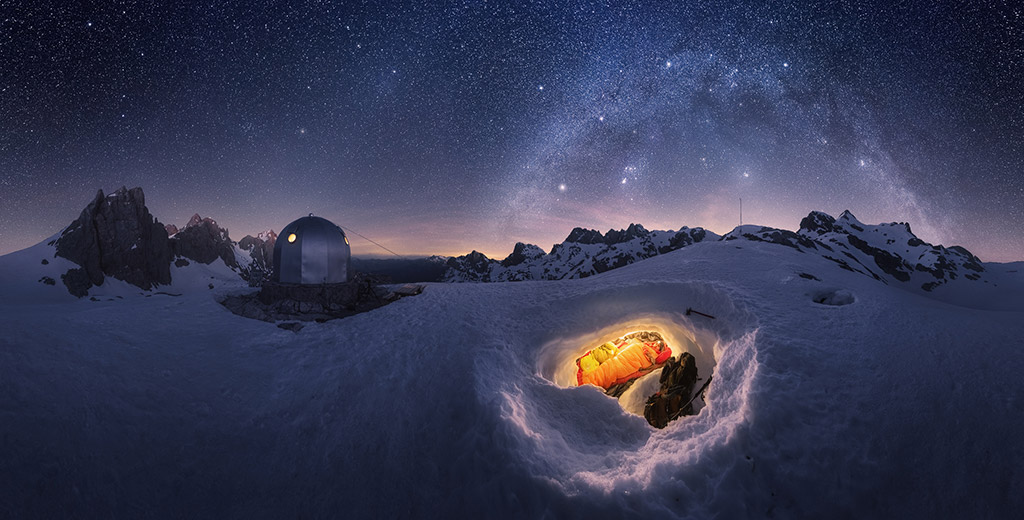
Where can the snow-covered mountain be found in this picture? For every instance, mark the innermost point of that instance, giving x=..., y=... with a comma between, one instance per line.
x=585, y=252
x=888, y=253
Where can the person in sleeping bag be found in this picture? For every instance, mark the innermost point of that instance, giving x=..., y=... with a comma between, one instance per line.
x=617, y=362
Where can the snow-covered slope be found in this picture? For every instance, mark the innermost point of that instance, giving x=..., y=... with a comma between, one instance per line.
x=585, y=252
x=834, y=395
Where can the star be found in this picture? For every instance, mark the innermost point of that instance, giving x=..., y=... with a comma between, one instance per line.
x=561, y=187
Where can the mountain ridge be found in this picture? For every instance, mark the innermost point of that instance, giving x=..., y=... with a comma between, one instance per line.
x=116, y=236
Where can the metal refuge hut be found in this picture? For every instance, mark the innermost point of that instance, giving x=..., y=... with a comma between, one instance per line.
x=311, y=250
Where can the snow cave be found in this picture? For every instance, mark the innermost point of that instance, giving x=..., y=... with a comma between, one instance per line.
x=654, y=367
x=311, y=250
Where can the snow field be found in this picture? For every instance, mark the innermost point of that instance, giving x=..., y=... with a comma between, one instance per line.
x=456, y=402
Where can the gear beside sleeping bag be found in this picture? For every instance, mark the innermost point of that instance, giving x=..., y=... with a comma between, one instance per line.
x=621, y=361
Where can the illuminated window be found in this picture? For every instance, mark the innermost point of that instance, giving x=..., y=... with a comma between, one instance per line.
x=346, y=241
x=291, y=238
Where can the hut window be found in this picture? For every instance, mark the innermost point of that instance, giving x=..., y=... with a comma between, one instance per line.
x=291, y=238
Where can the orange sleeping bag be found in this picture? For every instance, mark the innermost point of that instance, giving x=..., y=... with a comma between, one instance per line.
x=622, y=360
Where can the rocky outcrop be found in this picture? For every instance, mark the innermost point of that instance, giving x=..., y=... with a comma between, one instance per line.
x=522, y=253
x=204, y=241
x=260, y=249
x=116, y=236
x=782, y=237
x=474, y=267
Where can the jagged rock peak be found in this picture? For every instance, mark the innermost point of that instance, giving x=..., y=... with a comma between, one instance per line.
x=585, y=236
x=204, y=241
x=848, y=216
x=171, y=229
x=522, y=253
x=618, y=236
x=818, y=223
x=115, y=235
x=475, y=261
x=261, y=250
x=197, y=220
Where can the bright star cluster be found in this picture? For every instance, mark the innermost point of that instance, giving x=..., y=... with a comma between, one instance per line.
x=441, y=127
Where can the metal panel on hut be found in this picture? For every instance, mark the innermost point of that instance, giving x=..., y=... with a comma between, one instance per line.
x=311, y=264
x=314, y=250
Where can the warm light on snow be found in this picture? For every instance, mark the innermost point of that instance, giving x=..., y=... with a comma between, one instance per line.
x=558, y=358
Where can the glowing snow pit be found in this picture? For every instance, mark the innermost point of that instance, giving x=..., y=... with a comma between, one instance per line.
x=652, y=370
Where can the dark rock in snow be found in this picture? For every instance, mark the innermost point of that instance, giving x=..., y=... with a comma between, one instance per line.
x=620, y=236
x=818, y=223
x=293, y=326
x=782, y=237
x=892, y=265
x=204, y=241
x=261, y=249
x=77, y=282
x=45, y=262
x=116, y=236
x=685, y=237
x=261, y=252
x=48, y=281
x=474, y=265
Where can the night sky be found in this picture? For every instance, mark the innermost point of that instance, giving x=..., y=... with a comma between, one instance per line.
x=438, y=128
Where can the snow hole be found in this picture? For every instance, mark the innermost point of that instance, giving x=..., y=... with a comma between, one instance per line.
x=558, y=359
x=583, y=439
x=834, y=297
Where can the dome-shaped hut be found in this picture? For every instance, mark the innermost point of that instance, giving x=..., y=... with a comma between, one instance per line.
x=311, y=250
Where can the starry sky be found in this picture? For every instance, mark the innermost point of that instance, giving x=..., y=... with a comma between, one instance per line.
x=442, y=127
